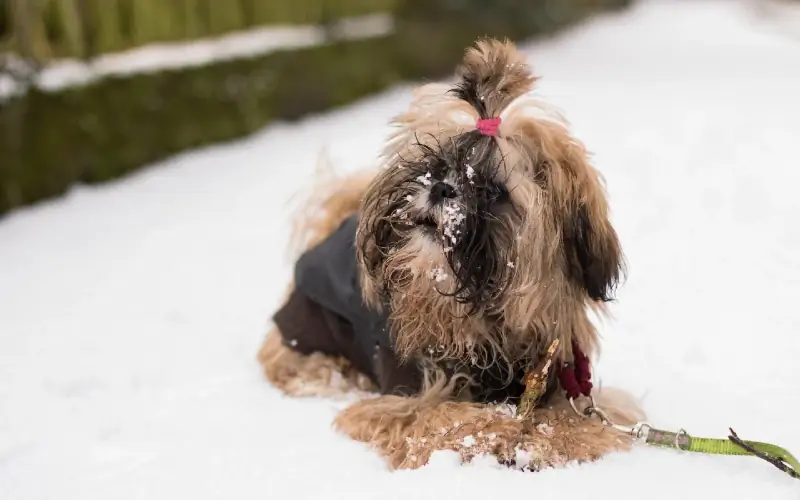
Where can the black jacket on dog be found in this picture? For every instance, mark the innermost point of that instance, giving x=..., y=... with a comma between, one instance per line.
x=326, y=313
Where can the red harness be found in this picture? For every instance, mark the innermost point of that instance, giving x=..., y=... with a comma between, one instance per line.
x=576, y=378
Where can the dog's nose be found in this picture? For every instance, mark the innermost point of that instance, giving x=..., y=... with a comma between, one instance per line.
x=441, y=191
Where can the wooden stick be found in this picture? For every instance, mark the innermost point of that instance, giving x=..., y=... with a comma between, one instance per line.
x=776, y=461
x=536, y=383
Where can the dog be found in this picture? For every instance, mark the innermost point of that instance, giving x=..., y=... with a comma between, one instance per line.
x=431, y=285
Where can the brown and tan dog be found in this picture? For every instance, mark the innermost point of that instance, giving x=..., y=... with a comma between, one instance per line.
x=439, y=280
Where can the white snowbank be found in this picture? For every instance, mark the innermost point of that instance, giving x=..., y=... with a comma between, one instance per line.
x=159, y=57
x=130, y=314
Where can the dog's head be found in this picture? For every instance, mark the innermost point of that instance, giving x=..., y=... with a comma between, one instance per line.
x=477, y=237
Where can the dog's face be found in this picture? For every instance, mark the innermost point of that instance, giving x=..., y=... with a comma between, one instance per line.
x=480, y=243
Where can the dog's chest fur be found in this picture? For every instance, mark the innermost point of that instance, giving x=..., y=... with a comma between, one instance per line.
x=326, y=313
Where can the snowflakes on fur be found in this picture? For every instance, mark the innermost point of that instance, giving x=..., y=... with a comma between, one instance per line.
x=470, y=174
x=453, y=219
x=506, y=409
x=434, y=350
x=425, y=179
x=545, y=429
x=438, y=274
x=485, y=435
x=468, y=166
x=401, y=214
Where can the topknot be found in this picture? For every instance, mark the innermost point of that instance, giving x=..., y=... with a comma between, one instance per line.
x=491, y=75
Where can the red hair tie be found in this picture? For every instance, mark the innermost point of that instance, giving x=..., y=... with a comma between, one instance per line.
x=488, y=126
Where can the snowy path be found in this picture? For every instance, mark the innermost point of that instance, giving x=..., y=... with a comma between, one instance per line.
x=130, y=314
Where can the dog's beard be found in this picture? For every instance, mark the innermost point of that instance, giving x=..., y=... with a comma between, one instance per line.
x=445, y=264
x=459, y=244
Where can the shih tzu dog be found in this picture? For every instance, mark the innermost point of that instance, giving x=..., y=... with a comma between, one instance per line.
x=434, y=284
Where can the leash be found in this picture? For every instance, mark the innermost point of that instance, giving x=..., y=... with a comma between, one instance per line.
x=644, y=433
x=575, y=378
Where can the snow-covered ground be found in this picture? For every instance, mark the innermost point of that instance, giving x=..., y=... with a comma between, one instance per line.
x=130, y=314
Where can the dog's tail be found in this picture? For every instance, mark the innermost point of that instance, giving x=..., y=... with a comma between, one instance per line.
x=325, y=205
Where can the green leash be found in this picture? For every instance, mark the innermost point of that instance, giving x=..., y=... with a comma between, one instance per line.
x=645, y=433
x=777, y=456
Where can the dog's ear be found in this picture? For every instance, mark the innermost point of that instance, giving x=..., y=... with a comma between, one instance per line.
x=592, y=251
x=593, y=256
x=560, y=164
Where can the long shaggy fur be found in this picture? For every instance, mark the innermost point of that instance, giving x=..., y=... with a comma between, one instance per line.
x=527, y=242
x=407, y=431
x=483, y=249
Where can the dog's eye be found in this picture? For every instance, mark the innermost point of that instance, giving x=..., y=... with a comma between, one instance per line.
x=439, y=170
x=496, y=193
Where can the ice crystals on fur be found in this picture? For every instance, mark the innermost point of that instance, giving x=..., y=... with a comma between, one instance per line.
x=425, y=180
x=438, y=274
x=453, y=220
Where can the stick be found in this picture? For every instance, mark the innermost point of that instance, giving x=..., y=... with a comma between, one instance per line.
x=776, y=461
x=536, y=383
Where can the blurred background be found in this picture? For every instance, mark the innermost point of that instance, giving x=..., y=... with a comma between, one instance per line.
x=139, y=80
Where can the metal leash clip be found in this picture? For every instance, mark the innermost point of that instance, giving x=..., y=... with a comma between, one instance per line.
x=639, y=431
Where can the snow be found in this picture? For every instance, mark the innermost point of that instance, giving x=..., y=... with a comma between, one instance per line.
x=130, y=313
x=785, y=14
x=167, y=56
